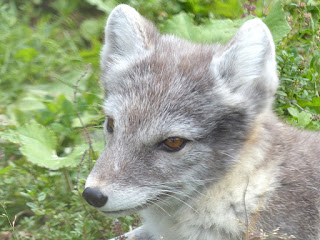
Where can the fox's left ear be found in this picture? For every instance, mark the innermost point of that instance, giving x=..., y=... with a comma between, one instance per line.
x=127, y=35
x=247, y=66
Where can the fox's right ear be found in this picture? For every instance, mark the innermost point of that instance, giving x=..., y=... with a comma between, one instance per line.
x=127, y=35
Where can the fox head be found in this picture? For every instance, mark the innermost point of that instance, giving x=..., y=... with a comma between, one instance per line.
x=177, y=113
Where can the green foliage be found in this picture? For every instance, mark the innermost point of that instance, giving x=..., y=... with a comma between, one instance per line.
x=183, y=25
x=42, y=58
x=105, y=6
x=43, y=51
x=299, y=67
x=45, y=47
x=228, y=9
x=50, y=139
x=277, y=23
x=215, y=30
x=39, y=145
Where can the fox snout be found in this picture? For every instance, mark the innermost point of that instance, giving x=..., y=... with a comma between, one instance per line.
x=94, y=197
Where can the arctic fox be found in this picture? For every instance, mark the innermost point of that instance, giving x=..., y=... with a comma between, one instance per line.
x=191, y=140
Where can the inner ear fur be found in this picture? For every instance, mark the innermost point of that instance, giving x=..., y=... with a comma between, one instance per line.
x=247, y=65
x=127, y=35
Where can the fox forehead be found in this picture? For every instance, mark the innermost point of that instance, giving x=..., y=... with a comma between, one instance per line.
x=169, y=85
x=166, y=64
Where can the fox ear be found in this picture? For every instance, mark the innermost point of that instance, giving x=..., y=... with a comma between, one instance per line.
x=127, y=34
x=247, y=66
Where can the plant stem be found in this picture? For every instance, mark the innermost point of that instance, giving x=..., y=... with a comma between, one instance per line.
x=68, y=180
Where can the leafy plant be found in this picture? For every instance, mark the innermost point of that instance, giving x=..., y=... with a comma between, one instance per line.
x=213, y=30
x=299, y=67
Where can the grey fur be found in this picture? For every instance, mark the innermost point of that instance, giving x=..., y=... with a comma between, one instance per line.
x=219, y=98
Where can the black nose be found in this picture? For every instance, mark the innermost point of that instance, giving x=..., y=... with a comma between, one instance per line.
x=94, y=197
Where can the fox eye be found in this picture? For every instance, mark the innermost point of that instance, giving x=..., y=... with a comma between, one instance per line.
x=110, y=125
x=174, y=144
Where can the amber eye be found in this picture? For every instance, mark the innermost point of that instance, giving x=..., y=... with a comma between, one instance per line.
x=174, y=144
x=110, y=125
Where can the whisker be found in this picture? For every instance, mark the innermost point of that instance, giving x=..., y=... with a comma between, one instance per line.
x=181, y=201
x=195, y=190
x=180, y=193
x=167, y=184
x=227, y=154
x=154, y=202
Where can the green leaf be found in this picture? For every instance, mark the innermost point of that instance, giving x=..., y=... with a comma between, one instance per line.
x=103, y=5
x=229, y=9
x=213, y=31
x=91, y=28
x=314, y=60
x=5, y=170
x=293, y=111
x=42, y=196
x=304, y=118
x=277, y=23
x=313, y=2
x=314, y=103
x=180, y=25
x=86, y=119
x=281, y=93
x=32, y=205
x=183, y=26
x=38, y=144
x=11, y=136
x=26, y=54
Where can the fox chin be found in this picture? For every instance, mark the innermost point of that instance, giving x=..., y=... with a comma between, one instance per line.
x=192, y=143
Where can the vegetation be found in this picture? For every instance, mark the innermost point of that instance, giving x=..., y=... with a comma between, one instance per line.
x=50, y=98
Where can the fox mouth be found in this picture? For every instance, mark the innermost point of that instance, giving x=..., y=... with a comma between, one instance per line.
x=138, y=208
x=126, y=211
